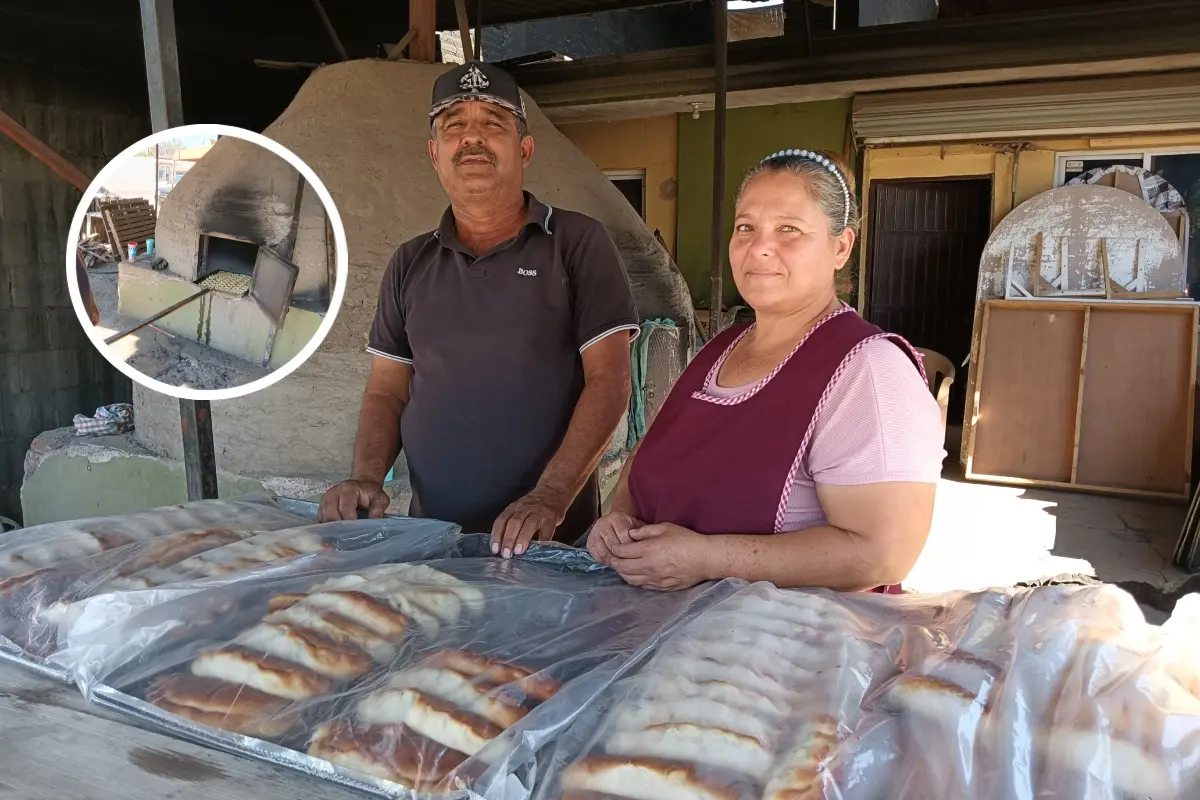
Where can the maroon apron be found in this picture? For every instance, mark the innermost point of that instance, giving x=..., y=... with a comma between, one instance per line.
x=720, y=465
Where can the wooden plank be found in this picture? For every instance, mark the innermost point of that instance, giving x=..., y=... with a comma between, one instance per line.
x=1087, y=324
x=422, y=18
x=1073, y=487
x=971, y=418
x=43, y=152
x=49, y=752
x=400, y=46
x=464, y=29
x=1027, y=389
x=1189, y=438
x=1135, y=409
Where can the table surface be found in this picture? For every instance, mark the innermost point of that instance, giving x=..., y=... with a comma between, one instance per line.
x=54, y=745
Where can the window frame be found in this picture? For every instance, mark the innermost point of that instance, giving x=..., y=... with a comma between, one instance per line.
x=1147, y=154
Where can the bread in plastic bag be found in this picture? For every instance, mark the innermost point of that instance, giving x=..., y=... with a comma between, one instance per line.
x=439, y=678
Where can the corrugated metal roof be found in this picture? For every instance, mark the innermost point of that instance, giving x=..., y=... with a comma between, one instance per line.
x=1141, y=103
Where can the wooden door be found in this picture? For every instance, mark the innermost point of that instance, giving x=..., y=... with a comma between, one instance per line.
x=926, y=239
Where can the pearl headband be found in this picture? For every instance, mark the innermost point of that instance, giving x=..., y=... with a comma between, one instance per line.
x=817, y=158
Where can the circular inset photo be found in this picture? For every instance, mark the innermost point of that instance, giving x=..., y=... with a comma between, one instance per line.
x=207, y=262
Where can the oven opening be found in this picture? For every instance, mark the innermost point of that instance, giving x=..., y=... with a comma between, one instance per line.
x=223, y=253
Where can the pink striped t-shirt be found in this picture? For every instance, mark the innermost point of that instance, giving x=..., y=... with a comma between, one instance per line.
x=881, y=424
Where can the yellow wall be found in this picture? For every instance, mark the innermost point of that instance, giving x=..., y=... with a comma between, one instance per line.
x=1035, y=169
x=651, y=144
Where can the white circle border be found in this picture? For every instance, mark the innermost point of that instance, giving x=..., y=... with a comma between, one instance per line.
x=339, y=236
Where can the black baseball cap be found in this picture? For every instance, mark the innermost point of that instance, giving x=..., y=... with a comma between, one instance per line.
x=476, y=80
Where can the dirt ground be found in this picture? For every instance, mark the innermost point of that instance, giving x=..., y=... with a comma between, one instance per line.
x=161, y=355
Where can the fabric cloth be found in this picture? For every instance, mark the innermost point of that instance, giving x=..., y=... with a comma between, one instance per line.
x=108, y=420
x=881, y=424
x=476, y=80
x=495, y=343
x=728, y=464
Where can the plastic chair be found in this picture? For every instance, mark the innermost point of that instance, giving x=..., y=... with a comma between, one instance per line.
x=940, y=374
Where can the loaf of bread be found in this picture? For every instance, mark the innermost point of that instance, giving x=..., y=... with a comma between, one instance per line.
x=741, y=702
x=308, y=648
x=338, y=628
x=224, y=705
x=390, y=752
x=275, y=676
x=649, y=779
x=800, y=773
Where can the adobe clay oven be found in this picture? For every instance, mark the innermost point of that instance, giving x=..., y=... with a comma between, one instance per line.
x=363, y=127
x=214, y=228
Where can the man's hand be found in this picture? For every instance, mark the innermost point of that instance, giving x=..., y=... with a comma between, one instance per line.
x=537, y=514
x=663, y=557
x=609, y=531
x=343, y=500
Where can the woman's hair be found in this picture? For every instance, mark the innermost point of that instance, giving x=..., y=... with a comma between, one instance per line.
x=828, y=180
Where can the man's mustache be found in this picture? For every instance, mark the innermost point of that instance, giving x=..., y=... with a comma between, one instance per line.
x=474, y=151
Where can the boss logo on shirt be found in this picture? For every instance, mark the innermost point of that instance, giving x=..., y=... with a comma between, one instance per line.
x=528, y=273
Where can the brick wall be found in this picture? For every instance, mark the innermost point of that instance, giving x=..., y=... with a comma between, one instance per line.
x=49, y=371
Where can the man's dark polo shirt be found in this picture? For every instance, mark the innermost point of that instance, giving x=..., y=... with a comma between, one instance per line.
x=495, y=345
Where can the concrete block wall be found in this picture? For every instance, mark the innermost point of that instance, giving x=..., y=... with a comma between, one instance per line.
x=49, y=371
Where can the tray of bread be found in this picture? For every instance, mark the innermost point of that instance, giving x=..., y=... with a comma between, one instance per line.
x=1053, y=692
x=250, y=536
x=429, y=678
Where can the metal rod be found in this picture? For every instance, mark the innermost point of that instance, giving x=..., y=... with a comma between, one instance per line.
x=43, y=152
x=333, y=37
x=267, y=63
x=162, y=64
x=479, y=30
x=156, y=317
x=464, y=28
x=808, y=30
x=717, y=264
x=199, y=453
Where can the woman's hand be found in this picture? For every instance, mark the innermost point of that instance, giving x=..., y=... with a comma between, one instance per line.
x=609, y=531
x=663, y=557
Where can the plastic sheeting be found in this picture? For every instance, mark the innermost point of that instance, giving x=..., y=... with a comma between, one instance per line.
x=549, y=678
x=1046, y=693
x=447, y=676
x=70, y=564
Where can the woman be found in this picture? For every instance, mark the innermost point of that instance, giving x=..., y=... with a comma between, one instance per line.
x=804, y=449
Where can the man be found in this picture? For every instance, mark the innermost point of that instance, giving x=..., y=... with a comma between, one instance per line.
x=501, y=343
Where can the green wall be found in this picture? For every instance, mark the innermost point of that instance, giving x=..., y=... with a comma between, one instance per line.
x=751, y=135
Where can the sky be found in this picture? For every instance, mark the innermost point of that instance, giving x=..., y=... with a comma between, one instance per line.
x=738, y=5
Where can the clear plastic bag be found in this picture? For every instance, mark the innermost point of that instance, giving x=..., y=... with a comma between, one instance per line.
x=1050, y=693
x=80, y=628
x=71, y=562
x=439, y=678
x=1057, y=692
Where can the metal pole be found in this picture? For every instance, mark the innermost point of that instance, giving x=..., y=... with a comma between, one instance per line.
x=162, y=63
x=333, y=37
x=716, y=266
x=479, y=30
x=166, y=111
x=135, y=328
x=199, y=454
